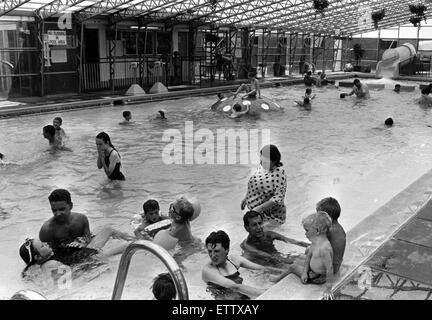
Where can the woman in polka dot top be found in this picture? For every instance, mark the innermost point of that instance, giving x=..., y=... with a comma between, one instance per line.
x=267, y=186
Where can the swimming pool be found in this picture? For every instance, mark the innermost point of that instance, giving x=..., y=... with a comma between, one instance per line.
x=338, y=149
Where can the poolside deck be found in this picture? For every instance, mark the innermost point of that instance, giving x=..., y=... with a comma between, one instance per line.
x=388, y=255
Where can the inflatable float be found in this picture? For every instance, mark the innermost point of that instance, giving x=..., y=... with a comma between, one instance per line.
x=235, y=107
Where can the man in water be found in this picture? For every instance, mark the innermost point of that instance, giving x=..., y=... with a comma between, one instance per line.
x=259, y=245
x=361, y=90
x=65, y=228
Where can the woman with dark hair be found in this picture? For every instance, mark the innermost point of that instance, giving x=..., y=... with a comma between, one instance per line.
x=108, y=157
x=267, y=186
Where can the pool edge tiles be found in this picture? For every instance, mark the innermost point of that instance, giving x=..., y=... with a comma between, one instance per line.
x=362, y=242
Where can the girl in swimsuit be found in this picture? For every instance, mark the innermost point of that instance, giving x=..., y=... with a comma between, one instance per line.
x=223, y=271
x=108, y=157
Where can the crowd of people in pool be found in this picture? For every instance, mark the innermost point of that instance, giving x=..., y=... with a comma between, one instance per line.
x=66, y=239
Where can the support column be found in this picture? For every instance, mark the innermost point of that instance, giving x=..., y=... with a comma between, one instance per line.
x=41, y=45
x=80, y=38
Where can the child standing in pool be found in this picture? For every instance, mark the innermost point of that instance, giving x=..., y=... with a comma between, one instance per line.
x=306, y=104
x=127, y=115
x=108, y=157
x=60, y=134
x=150, y=216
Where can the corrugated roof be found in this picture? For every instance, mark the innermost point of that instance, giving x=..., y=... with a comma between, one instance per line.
x=340, y=17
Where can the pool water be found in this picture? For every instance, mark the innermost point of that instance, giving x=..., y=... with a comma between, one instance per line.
x=340, y=148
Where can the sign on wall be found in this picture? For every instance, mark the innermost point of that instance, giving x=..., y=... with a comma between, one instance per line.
x=57, y=37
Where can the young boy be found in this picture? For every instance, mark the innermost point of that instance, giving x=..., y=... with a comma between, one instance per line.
x=397, y=88
x=49, y=133
x=127, y=115
x=252, y=89
x=60, y=134
x=306, y=104
x=163, y=287
x=150, y=215
x=260, y=242
x=308, y=94
x=336, y=234
x=317, y=267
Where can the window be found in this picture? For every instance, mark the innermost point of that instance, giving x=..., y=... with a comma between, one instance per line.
x=130, y=42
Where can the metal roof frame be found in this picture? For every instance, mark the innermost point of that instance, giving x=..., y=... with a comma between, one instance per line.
x=341, y=17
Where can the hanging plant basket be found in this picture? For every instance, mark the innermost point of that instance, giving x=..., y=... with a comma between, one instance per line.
x=211, y=37
x=213, y=4
x=419, y=10
x=377, y=16
x=320, y=5
x=415, y=20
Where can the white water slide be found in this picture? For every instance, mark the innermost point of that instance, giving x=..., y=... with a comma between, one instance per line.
x=391, y=59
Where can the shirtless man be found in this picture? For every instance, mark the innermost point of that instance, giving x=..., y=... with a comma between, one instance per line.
x=260, y=242
x=361, y=90
x=65, y=227
x=68, y=229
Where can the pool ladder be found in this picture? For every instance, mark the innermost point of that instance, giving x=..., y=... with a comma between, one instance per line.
x=146, y=245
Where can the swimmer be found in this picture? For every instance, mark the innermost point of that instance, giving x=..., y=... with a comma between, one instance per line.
x=1, y=158
x=223, y=271
x=36, y=252
x=306, y=104
x=237, y=110
x=425, y=99
x=361, y=90
x=49, y=133
x=163, y=287
x=150, y=216
x=397, y=88
x=317, y=268
x=388, y=122
x=108, y=157
x=252, y=89
x=260, y=242
x=162, y=114
x=308, y=94
x=342, y=95
x=60, y=134
x=127, y=115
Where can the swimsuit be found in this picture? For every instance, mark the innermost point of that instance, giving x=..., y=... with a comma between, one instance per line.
x=316, y=278
x=222, y=293
x=116, y=174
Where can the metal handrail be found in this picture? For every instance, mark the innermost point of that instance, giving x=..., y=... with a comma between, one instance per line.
x=27, y=295
x=162, y=254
